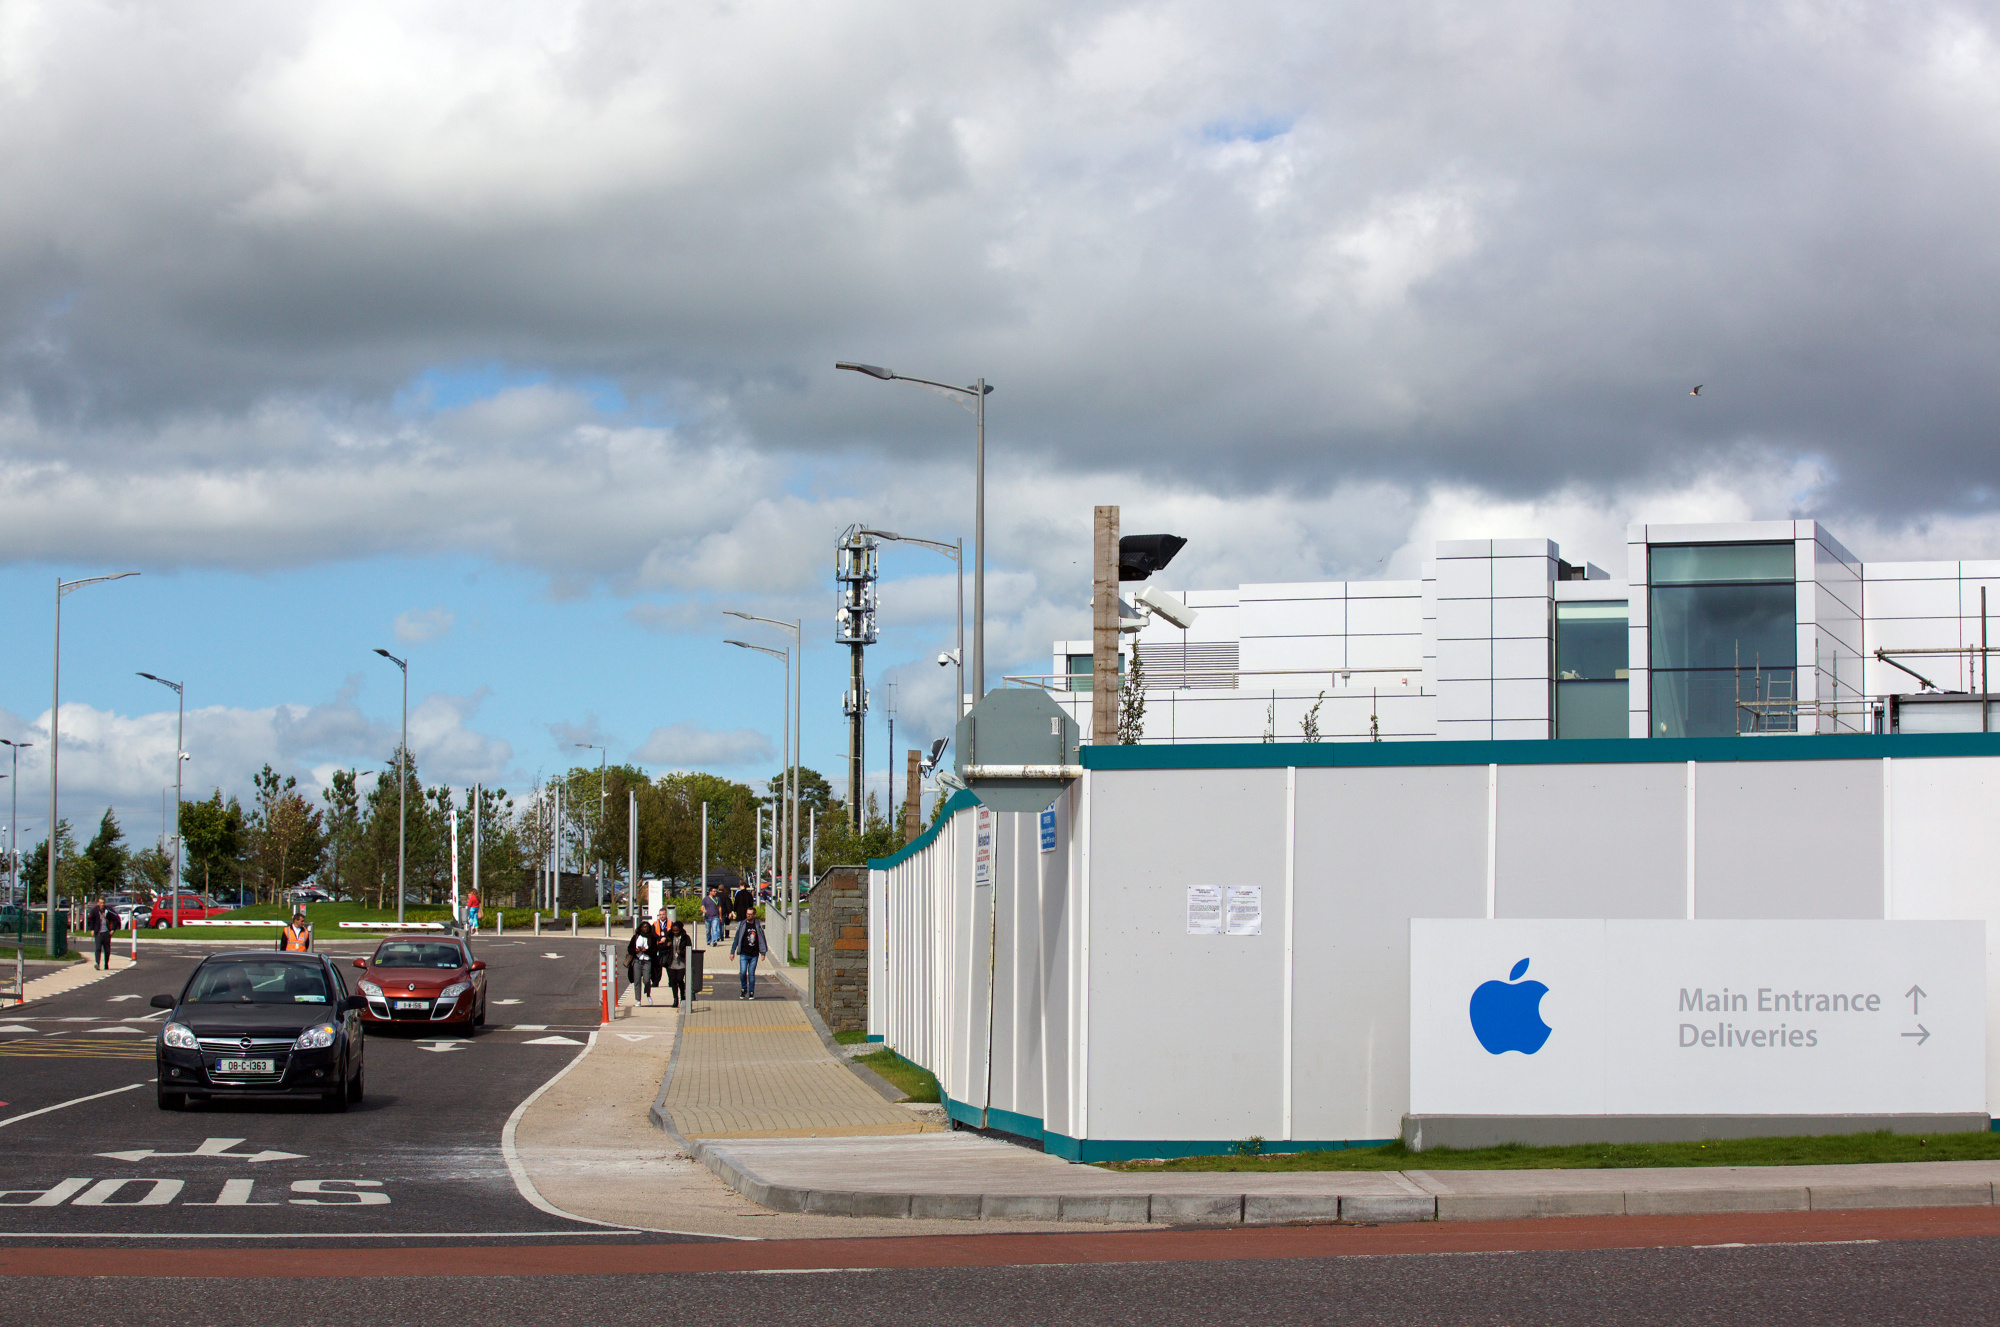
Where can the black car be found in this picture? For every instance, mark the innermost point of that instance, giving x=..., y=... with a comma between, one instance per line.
x=261, y=1024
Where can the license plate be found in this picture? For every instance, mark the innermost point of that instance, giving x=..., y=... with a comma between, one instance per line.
x=246, y=1066
x=413, y=1004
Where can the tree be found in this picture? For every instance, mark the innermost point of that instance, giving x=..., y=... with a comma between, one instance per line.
x=212, y=839
x=343, y=830
x=1309, y=725
x=106, y=855
x=1132, y=704
x=152, y=869
x=35, y=866
x=287, y=839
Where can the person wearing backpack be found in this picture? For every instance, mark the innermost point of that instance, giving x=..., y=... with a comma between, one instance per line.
x=748, y=946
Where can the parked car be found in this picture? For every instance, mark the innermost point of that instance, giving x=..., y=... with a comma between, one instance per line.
x=127, y=912
x=309, y=894
x=193, y=908
x=260, y=1024
x=417, y=979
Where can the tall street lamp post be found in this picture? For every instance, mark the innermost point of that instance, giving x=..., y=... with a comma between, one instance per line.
x=63, y=587
x=14, y=825
x=976, y=402
x=955, y=550
x=402, y=781
x=597, y=835
x=785, y=657
x=180, y=754
x=795, y=724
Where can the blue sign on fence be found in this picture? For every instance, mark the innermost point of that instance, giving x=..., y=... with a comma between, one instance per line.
x=1049, y=830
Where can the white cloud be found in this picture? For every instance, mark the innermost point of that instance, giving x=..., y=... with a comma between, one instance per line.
x=414, y=626
x=683, y=745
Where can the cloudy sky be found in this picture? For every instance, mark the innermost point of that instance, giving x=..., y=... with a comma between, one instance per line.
x=501, y=335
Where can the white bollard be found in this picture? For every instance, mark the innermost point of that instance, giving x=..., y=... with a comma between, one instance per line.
x=572, y=921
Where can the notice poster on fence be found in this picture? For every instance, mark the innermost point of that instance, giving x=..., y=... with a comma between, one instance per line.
x=1204, y=915
x=982, y=848
x=1246, y=910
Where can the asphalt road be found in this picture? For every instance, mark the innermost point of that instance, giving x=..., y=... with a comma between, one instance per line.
x=421, y=1157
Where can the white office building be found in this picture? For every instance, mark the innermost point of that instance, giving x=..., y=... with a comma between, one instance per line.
x=1764, y=627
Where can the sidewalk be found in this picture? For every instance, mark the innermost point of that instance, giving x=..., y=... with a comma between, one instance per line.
x=66, y=979
x=810, y=1147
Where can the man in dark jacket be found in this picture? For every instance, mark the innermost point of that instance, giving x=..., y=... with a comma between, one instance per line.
x=748, y=946
x=102, y=921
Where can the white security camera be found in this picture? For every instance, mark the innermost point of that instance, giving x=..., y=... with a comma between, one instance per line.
x=1168, y=607
x=950, y=782
x=948, y=658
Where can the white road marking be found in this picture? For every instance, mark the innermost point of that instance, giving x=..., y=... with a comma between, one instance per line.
x=555, y=1041
x=129, y=1087
x=506, y=1002
x=551, y=955
x=116, y=998
x=634, y=1036
x=529, y=1027
x=442, y=1045
x=15, y=1027
x=210, y=1147
x=115, y=1028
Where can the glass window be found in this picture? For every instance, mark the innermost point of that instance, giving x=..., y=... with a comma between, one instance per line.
x=1702, y=702
x=1725, y=626
x=1081, y=667
x=1707, y=564
x=418, y=954
x=270, y=981
x=1591, y=709
x=1591, y=642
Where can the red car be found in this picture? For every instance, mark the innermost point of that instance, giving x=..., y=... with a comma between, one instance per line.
x=414, y=980
x=194, y=908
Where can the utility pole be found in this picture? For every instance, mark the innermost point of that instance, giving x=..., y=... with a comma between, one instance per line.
x=1104, y=627
x=913, y=790
x=856, y=567
x=889, y=764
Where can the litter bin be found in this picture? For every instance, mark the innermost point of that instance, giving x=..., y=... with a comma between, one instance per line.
x=694, y=975
x=58, y=933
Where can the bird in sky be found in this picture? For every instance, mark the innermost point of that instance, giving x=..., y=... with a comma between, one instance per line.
x=1697, y=389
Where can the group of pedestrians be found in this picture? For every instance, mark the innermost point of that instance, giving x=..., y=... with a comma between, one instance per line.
x=733, y=919
x=651, y=953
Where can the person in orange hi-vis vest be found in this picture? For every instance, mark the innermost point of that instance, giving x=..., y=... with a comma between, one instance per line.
x=297, y=937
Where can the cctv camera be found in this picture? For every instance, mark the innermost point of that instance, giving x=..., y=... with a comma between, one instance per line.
x=1168, y=607
x=950, y=782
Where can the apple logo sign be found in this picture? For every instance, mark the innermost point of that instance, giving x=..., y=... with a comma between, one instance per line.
x=1507, y=1015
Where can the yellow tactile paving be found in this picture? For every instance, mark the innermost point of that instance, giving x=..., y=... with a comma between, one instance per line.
x=756, y=1069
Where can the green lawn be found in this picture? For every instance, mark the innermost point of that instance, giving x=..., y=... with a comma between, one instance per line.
x=805, y=950
x=917, y=1084
x=850, y=1038
x=1831, y=1149
x=35, y=955
x=325, y=919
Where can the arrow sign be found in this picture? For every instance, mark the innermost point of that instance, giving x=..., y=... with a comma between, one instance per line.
x=1915, y=994
x=210, y=1147
x=440, y=1045
x=116, y=998
x=1922, y=1034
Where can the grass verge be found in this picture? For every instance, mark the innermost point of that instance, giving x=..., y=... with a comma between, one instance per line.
x=36, y=955
x=917, y=1083
x=1822, y=1150
x=805, y=950
x=850, y=1038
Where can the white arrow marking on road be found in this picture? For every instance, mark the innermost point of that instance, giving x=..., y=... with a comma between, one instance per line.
x=116, y=998
x=506, y=1002
x=16, y=1027
x=529, y=1027
x=441, y=1045
x=634, y=1036
x=114, y=1027
x=210, y=1147
x=553, y=1041
x=551, y=955
x=1922, y=1034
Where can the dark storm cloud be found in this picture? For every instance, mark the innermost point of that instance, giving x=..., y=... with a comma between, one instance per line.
x=1244, y=249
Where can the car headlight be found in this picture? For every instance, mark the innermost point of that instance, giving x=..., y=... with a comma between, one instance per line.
x=180, y=1037
x=315, y=1038
x=453, y=991
x=370, y=989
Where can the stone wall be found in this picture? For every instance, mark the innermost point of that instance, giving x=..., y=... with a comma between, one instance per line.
x=838, y=924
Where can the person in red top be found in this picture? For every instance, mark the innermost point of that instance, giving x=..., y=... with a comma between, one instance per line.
x=472, y=910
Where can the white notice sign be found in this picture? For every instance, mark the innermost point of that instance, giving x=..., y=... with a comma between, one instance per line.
x=1246, y=910
x=1204, y=915
x=1697, y=1017
x=982, y=848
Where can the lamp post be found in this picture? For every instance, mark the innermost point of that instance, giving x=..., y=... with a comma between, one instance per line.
x=976, y=403
x=402, y=781
x=955, y=550
x=795, y=722
x=180, y=754
x=14, y=825
x=785, y=657
x=597, y=834
x=63, y=587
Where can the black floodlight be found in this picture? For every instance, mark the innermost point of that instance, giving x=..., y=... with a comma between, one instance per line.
x=1140, y=555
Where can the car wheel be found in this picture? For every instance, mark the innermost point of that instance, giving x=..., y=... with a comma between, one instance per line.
x=172, y=1100
x=354, y=1089
x=479, y=1019
x=336, y=1100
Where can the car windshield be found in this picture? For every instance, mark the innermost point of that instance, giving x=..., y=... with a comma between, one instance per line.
x=250, y=981
x=418, y=954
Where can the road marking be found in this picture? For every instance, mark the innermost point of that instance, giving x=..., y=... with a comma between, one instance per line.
x=442, y=1045
x=551, y=955
x=47, y=1048
x=634, y=1036
x=15, y=1027
x=129, y=1087
x=506, y=1002
x=235, y=1193
x=115, y=1028
x=116, y=998
x=210, y=1147
x=100, y=1193
x=554, y=1041
x=529, y=1027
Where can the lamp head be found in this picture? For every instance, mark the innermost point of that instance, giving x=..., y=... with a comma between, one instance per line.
x=872, y=370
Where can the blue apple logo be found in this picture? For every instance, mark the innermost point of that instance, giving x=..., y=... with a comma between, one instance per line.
x=1507, y=1015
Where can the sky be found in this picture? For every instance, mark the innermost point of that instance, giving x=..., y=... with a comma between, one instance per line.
x=501, y=335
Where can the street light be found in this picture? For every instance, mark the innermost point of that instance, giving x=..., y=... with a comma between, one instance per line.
x=977, y=404
x=785, y=656
x=795, y=722
x=598, y=834
x=955, y=550
x=180, y=754
x=402, y=780
x=14, y=825
x=63, y=587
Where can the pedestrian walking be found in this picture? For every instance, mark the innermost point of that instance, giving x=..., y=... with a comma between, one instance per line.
x=102, y=921
x=676, y=945
x=748, y=946
x=472, y=911
x=711, y=913
x=638, y=962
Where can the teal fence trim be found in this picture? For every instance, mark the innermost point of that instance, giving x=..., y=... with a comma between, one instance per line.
x=960, y=801
x=1578, y=751
x=874, y=1037
x=1006, y=1121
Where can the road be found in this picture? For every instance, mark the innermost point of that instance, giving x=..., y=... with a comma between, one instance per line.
x=421, y=1157
x=409, y=1201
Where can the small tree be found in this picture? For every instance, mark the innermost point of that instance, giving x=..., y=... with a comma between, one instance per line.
x=1132, y=704
x=1309, y=725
